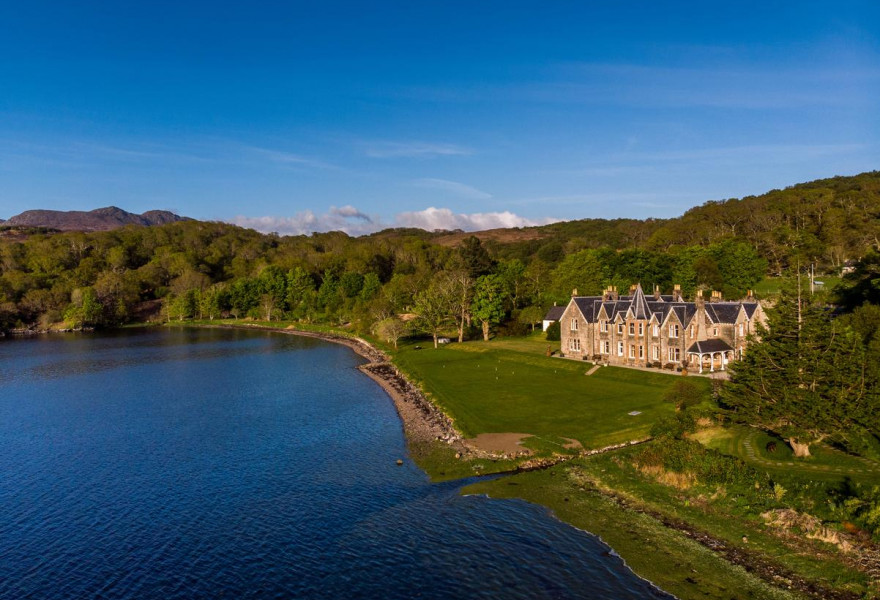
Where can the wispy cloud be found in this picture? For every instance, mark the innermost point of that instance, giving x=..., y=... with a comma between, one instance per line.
x=459, y=189
x=355, y=222
x=728, y=86
x=291, y=159
x=413, y=149
x=77, y=154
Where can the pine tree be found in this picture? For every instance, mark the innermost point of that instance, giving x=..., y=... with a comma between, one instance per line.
x=803, y=380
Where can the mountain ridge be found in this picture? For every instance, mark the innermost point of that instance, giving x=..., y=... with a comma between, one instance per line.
x=100, y=219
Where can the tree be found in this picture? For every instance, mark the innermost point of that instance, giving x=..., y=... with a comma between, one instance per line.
x=300, y=290
x=805, y=378
x=862, y=286
x=84, y=309
x=434, y=308
x=210, y=300
x=513, y=277
x=462, y=292
x=582, y=271
x=488, y=304
x=684, y=394
x=371, y=287
x=531, y=315
x=475, y=257
x=391, y=329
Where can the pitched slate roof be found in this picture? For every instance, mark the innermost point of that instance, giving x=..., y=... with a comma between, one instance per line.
x=750, y=307
x=555, y=313
x=639, y=304
x=723, y=312
x=707, y=346
x=644, y=307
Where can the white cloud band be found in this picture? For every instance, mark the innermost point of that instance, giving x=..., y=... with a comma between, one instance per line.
x=354, y=222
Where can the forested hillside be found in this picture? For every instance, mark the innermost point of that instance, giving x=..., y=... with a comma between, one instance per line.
x=202, y=269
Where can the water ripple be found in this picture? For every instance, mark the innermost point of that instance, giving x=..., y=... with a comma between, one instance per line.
x=196, y=464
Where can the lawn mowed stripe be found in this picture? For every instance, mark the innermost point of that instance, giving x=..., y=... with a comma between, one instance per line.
x=496, y=389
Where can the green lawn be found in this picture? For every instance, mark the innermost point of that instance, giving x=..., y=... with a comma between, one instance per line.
x=509, y=385
x=825, y=464
x=770, y=286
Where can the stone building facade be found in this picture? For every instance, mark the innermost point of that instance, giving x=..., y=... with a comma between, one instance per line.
x=658, y=330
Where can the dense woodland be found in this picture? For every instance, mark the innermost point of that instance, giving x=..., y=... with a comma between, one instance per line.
x=208, y=270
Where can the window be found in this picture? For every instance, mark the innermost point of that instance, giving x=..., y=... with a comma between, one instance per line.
x=632, y=328
x=673, y=331
x=606, y=347
x=742, y=328
x=619, y=348
x=632, y=351
x=641, y=352
x=714, y=332
x=656, y=330
x=620, y=328
x=674, y=354
x=641, y=329
x=656, y=353
x=574, y=324
x=574, y=345
x=693, y=331
x=603, y=326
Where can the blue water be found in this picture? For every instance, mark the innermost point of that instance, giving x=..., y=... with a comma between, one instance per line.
x=229, y=464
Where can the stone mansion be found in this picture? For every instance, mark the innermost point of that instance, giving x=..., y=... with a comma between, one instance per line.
x=658, y=330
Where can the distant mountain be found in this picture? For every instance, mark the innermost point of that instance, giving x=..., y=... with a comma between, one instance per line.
x=101, y=219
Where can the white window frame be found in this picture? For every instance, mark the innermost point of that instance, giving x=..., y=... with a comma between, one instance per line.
x=641, y=352
x=574, y=344
x=656, y=352
x=674, y=354
x=619, y=348
x=603, y=326
x=742, y=328
x=656, y=330
x=607, y=347
x=620, y=328
x=632, y=351
x=641, y=329
x=673, y=330
x=714, y=332
x=632, y=328
x=574, y=324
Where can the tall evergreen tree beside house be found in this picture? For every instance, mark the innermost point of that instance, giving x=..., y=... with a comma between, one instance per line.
x=804, y=380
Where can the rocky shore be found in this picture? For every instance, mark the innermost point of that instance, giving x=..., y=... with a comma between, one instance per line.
x=422, y=420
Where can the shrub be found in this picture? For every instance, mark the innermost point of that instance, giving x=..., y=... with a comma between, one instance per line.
x=684, y=394
x=710, y=466
x=554, y=332
x=513, y=329
x=675, y=426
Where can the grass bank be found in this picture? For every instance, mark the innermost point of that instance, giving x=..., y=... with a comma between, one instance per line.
x=692, y=535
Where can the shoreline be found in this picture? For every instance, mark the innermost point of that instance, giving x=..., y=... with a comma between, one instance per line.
x=422, y=421
x=424, y=424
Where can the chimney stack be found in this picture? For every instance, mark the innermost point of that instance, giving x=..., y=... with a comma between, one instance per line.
x=609, y=294
x=574, y=292
x=716, y=296
x=676, y=293
x=750, y=295
x=632, y=289
x=656, y=292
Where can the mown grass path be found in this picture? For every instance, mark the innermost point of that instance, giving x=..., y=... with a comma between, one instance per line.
x=827, y=463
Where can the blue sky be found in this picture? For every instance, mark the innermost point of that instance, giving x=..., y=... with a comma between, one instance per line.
x=294, y=116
